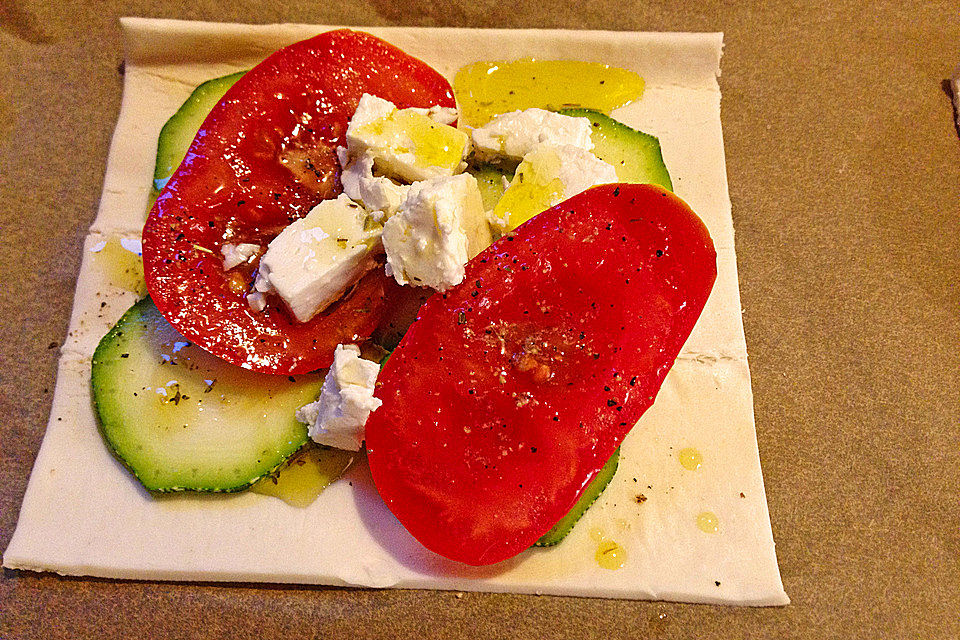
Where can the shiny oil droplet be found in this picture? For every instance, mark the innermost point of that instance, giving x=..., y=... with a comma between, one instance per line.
x=484, y=89
x=117, y=261
x=708, y=522
x=690, y=459
x=610, y=555
x=306, y=475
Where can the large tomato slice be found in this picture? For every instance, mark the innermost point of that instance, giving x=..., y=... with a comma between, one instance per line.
x=263, y=158
x=510, y=391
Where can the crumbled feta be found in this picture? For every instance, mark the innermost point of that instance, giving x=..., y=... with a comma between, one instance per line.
x=376, y=193
x=510, y=136
x=313, y=261
x=443, y=115
x=406, y=144
x=547, y=176
x=257, y=301
x=336, y=419
x=236, y=254
x=440, y=225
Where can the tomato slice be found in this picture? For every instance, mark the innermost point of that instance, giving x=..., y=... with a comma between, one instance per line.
x=263, y=158
x=511, y=390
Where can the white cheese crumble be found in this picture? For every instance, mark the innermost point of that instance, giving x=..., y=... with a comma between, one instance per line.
x=406, y=144
x=315, y=259
x=547, y=176
x=578, y=168
x=376, y=193
x=257, y=301
x=440, y=225
x=443, y=115
x=510, y=136
x=337, y=418
x=236, y=254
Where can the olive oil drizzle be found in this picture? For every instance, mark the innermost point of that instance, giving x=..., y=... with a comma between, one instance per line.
x=485, y=89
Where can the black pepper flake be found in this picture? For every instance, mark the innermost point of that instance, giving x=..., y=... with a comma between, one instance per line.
x=605, y=388
x=659, y=253
x=556, y=418
x=471, y=391
x=291, y=379
x=462, y=318
x=474, y=294
x=616, y=192
x=240, y=202
x=741, y=495
x=611, y=402
x=52, y=345
x=533, y=449
x=717, y=582
x=640, y=499
x=633, y=381
x=596, y=356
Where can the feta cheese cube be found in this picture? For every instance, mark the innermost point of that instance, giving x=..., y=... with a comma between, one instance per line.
x=406, y=144
x=315, y=259
x=547, y=176
x=236, y=254
x=440, y=225
x=337, y=418
x=510, y=136
x=376, y=193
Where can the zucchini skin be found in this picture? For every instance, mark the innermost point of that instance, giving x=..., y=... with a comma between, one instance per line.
x=596, y=487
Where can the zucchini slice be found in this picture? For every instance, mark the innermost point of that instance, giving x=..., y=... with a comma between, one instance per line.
x=589, y=496
x=181, y=419
x=182, y=127
x=635, y=155
x=490, y=180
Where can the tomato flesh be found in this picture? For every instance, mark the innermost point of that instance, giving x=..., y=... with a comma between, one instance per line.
x=263, y=158
x=511, y=390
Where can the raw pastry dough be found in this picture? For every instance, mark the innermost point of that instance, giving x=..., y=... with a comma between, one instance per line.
x=83, y=514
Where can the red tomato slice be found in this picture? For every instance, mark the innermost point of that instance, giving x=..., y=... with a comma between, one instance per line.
x=263, y=158
x=510, y=391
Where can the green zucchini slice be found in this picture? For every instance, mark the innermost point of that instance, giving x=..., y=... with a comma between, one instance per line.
x=589, y=496
x=182, y=419
x=635, y=155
